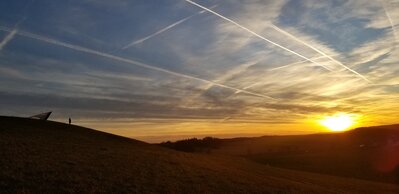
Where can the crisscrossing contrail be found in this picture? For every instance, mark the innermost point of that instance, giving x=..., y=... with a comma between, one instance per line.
x=318, y=50
x=280, y=46
x=256, y=34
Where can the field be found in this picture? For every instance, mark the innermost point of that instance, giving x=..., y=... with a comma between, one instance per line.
x=50, y=157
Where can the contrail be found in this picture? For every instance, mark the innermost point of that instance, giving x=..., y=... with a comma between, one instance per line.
x=281, y=67
x=389, y=19
x=229, y=74
x=12, y=33
x=256, y=34
x=293, y=64
x=317, y=50
x=158, y=32
x=164, y=29
x=7, y=39
x=129, y=61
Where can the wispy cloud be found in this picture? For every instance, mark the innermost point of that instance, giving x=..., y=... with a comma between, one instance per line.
x=114, y=57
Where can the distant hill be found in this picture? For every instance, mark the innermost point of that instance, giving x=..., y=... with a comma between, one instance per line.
x=370, y=153
x=49, y=157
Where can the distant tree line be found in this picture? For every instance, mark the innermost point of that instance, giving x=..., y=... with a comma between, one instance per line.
x=204, y=145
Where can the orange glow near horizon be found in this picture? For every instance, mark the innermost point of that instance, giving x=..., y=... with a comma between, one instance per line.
x=338, y=122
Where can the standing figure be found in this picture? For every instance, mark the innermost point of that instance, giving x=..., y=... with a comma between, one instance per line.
x=69, y=120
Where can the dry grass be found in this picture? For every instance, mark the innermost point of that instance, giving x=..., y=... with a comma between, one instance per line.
x=354, y=154
x=50, y=157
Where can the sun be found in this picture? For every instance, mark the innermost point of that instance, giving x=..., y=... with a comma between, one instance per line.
x=338, y=122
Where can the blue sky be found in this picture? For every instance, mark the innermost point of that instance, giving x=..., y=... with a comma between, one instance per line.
x=165, y=69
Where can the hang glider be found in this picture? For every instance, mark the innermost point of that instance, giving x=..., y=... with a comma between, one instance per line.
x=41, y=116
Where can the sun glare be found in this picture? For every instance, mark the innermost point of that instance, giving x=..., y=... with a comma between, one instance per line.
x=338, y=122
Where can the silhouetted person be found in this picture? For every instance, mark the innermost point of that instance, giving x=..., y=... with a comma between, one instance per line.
x=69, y=120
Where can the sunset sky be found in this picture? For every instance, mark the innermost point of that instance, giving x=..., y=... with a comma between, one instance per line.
x=156, y=70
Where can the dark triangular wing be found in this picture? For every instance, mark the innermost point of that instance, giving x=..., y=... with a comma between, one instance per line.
x=42, y=116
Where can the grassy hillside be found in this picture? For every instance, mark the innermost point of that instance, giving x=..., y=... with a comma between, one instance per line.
x=44, y=156
x=366, y=153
